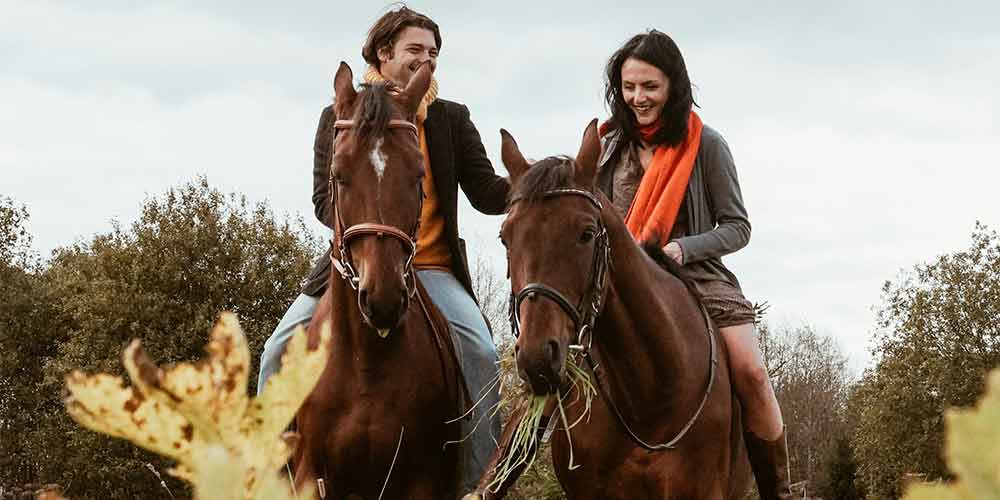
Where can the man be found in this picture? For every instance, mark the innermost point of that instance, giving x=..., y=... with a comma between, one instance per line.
x=397, y=44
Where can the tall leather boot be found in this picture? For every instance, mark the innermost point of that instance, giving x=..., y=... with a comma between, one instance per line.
x=769, y=461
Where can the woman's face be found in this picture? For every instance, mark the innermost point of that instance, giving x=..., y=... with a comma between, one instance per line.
x=645, y=88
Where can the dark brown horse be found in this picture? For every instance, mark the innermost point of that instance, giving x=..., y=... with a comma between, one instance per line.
x=664, y=422
x=375, y=425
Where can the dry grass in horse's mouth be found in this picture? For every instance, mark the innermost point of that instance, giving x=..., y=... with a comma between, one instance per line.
x=515, y=396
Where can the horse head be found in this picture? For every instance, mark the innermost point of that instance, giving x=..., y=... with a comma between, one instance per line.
x=558, y=255
x=376, y=179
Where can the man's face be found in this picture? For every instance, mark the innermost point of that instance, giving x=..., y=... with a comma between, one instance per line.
x=413, y=47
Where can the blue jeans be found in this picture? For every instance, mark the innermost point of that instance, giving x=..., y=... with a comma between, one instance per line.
x=473, y=344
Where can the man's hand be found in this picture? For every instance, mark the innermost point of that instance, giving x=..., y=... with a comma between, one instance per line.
x=673, y=250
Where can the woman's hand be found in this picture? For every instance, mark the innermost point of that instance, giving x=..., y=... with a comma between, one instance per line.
x=673, y=250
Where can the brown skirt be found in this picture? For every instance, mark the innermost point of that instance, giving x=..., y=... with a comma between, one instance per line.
x=725, y=303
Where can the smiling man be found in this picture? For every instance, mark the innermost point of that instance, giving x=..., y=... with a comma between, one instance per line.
x=398, y=43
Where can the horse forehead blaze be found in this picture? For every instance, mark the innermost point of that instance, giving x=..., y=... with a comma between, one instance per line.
x=378, y=158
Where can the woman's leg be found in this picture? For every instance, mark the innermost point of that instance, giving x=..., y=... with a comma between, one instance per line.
x=753, y=386
x=765, y=431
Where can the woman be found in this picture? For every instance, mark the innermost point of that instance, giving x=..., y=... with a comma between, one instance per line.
x=674, y=181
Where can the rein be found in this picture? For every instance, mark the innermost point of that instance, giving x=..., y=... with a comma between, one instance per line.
x=343, y=236
x=584, y=316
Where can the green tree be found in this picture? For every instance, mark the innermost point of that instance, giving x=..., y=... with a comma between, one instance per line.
x=26, y=320
x=192, y=253
x=840, y=481
x=938, y=336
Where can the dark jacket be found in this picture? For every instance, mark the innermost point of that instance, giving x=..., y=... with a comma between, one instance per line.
x=457, y=157
x=716, y=220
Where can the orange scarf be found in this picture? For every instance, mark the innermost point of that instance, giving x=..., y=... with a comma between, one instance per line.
x=661, y=191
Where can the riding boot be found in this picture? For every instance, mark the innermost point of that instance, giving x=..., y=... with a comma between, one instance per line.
x=769, y=461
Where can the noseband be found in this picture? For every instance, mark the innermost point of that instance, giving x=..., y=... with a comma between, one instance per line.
x=584, y=314
x=343, y=236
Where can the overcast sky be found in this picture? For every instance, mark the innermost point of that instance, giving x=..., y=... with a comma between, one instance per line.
x=865, y=137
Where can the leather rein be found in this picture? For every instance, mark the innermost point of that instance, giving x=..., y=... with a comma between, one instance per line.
x=585, y=314
x=342, y=237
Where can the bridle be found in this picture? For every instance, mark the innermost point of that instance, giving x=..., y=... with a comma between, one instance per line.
x=343, y=234
x=584, y=316
x=585, y=313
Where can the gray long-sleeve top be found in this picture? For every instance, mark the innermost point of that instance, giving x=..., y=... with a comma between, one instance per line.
x=715, y=222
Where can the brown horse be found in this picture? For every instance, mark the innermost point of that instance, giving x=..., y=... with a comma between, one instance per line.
x=375, y=425
x=664, y=423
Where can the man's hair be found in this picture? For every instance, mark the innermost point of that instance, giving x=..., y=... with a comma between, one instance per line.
x=386, y=30
x=659, y=50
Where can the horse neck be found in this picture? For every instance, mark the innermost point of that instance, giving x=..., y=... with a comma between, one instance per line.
x=356, y=348
x=652, y=358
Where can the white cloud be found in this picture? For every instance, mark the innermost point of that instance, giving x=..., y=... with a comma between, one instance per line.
x=865, y=135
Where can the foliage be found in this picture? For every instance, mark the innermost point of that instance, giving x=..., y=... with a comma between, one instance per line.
x=226, y=444
x=972, y=451
x=25, y=312
x=192, y=252
x=938, y=336
x=842, y=469
x=810, y=378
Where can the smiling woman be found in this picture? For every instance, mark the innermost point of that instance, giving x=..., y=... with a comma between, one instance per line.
x=673, y=180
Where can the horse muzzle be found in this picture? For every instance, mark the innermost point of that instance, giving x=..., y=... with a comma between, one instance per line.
x=542, y=366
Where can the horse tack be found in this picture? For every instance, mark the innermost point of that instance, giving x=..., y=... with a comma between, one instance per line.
x=343, y=264
x=584, y=319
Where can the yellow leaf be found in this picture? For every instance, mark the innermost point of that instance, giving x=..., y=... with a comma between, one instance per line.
x=199, y=414
x=972, y=450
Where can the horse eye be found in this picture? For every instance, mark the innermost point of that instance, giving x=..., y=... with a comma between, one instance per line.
x=587, y=236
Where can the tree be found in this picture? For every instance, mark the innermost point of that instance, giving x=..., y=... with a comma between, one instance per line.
x=840, y=481
x=26, y=317
x=937, y=337
x=192, y=253
x=810, y=379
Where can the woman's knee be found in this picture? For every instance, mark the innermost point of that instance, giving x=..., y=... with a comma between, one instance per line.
x=751, y=374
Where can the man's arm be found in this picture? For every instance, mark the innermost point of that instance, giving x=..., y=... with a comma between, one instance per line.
x=322, y=152
x=487, y=191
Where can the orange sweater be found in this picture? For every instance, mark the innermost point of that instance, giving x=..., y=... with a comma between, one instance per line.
x=432, y=247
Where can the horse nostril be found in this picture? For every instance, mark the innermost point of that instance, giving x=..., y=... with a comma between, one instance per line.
x=553, y=347
x=363, y=299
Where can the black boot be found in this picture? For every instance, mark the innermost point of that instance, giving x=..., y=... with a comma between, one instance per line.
x=769, y=461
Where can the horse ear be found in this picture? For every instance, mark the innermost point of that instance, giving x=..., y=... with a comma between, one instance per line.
x=586, y=159
x=511, y=156
x=416, y=88
x=343, y=88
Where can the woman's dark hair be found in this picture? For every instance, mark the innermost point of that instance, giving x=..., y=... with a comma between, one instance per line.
x=658, y=49
x=386, y=30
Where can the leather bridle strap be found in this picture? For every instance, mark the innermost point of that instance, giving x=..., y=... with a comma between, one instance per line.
x=532, y=289
x=343, y=263
x=402, y=124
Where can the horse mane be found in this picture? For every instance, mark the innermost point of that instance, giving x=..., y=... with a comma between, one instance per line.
x=554, y=172
x=373, y=111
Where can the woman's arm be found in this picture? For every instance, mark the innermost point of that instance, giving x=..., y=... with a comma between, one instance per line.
x=732, y=230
